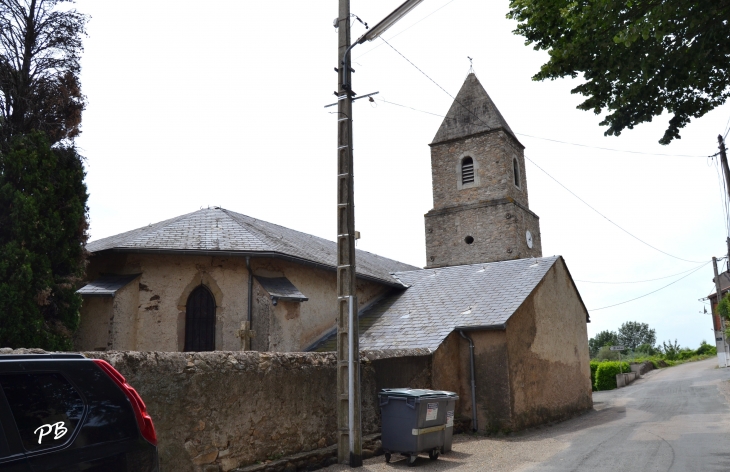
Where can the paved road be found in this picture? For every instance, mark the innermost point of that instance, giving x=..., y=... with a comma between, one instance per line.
x=674, y=419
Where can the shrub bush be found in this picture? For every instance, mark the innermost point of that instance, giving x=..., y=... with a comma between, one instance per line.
x=606, y=374
x=594, y=367
x=685, y=354
x=706, y=349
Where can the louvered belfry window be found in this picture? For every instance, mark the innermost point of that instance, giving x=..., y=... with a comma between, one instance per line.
x=467, y=171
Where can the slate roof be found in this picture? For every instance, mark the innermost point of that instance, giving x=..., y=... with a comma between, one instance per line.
x=220, y=231
x=441, y=300
x=472, y=112
x=106, y=285
x=281, y=288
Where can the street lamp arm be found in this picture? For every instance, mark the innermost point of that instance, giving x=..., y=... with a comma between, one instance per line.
x=388, y=21
x=375, y=32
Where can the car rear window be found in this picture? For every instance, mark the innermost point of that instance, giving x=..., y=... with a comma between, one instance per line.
x=46, y=407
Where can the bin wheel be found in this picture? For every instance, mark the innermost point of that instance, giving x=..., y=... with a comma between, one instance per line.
x=412, y=459
x=433, y=454
x=387, y=457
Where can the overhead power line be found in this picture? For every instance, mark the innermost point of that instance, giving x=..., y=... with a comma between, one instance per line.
x=607, y=218
x=636, y=281
x=652, y=292
x=557, y=140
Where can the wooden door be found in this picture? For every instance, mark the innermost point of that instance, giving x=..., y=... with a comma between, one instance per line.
x=200, y=321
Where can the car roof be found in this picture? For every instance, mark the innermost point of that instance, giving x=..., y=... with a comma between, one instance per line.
x=39, y=357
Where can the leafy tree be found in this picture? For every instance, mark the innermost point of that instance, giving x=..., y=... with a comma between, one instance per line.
x=42, y=231
x=633, y=334
x=40, y=48
x=671, y=351
x=638, y=57
x=647, y=349
x=604, y=338
x=606, y=354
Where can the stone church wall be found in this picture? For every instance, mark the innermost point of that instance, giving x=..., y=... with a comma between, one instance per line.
x=294, y=326
x=221, y=410
x=451, y=371
x=549, y=364
x=492, y=153
x=93, y=333
x=497, y=227
x=149, y=313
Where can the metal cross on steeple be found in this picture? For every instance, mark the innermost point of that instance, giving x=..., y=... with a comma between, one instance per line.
x=471, y=65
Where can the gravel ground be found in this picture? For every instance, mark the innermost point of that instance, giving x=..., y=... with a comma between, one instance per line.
x=509, y=453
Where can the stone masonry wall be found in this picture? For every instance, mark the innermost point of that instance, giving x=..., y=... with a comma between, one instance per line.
x=497, y=228
x=492, y=153
x=215, y=411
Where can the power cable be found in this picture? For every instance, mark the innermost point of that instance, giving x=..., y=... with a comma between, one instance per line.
x=608, y=219
x=650, y=293
x=636, y=281
x=557, y=140
x=611, y=149
x=566, y=188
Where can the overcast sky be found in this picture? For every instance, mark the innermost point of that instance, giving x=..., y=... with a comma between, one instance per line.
x=195, y=104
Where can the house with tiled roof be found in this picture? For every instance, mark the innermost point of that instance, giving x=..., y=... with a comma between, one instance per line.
x=506, y=327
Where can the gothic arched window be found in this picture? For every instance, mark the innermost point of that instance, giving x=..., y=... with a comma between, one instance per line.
x=516, y=169
x=467, y=171
x=200, y=320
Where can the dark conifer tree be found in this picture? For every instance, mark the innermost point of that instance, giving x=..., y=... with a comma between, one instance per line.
x=43, y=212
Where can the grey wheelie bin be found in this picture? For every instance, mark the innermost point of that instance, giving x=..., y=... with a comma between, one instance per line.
x=415, y=421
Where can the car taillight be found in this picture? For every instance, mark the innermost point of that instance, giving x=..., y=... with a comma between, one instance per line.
x=140, y=410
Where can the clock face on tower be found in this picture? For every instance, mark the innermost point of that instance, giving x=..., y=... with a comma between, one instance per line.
x=528, y=237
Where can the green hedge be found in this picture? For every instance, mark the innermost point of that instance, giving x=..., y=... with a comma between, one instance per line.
x=594, y=367
x=606, y=374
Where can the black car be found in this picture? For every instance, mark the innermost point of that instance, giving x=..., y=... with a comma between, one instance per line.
x=64, y=412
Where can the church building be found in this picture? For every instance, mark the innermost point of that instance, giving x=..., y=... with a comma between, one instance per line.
x=506, y=326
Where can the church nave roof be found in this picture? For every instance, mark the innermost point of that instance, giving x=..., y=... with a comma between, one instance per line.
x=219, y=231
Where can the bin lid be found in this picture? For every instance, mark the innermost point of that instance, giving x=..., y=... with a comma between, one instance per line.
x=416, y=393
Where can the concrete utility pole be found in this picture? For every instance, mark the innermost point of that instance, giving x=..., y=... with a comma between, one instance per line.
x=349, y=430
x=726, y=173
x=720, y=342
x=349, y=427
x=723, y=162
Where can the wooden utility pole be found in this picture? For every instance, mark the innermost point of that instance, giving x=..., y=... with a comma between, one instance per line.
x=349, y=433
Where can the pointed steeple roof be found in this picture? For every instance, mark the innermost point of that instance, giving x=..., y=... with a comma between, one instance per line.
x=472, y=112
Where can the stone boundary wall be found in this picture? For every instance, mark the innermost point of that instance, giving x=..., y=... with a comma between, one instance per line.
x=216, y=411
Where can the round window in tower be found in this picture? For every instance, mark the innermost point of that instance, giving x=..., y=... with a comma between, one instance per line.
x=468, y=240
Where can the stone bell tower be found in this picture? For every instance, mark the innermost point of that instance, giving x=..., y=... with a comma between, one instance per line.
x=480, y=207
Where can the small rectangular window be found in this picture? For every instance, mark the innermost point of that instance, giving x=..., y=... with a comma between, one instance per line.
x=46, y=408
